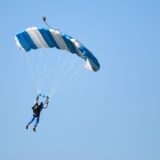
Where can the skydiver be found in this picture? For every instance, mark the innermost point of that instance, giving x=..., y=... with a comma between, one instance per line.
x=37, y=108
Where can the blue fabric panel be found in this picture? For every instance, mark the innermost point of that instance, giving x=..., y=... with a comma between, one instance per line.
x=29, y=40
x=49, y=39
x=92, y=59
x=23, y=42
x=69, y=43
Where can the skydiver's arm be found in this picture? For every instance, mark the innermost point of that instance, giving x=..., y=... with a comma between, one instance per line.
x=46, y=102
x=37, y=98
x=45, y=105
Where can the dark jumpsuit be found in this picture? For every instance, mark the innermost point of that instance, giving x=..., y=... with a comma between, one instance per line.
x=36, y=113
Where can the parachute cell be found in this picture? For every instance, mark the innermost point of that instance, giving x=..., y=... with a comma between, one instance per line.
x=34, y=38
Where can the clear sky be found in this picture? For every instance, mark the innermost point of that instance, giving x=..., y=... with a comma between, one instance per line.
x=113, y=114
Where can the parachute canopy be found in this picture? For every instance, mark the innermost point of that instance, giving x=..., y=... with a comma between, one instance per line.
x=34, y=38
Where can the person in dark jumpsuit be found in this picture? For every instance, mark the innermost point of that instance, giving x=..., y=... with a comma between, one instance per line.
x=37, y=108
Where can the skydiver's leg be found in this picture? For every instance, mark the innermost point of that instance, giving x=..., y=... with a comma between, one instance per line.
x=37, y=121
x=30, y=121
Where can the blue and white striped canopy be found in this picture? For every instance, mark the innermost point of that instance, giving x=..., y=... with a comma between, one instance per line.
x=34, y=38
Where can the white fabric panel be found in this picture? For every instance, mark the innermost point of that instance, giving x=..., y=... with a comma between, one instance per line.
x=34, y=37
x=88, y=65
x=59, y=40
x=37, y=35
x=18, y=44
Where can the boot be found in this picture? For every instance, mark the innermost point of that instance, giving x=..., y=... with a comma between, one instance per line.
x=34, y=129
x=27, y=126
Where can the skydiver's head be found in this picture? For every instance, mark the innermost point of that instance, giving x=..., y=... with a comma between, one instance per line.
x=41, y=103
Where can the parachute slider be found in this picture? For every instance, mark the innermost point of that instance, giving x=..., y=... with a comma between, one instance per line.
x=44, y=19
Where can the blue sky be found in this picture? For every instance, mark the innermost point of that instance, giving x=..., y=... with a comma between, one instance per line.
x=112, y=114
